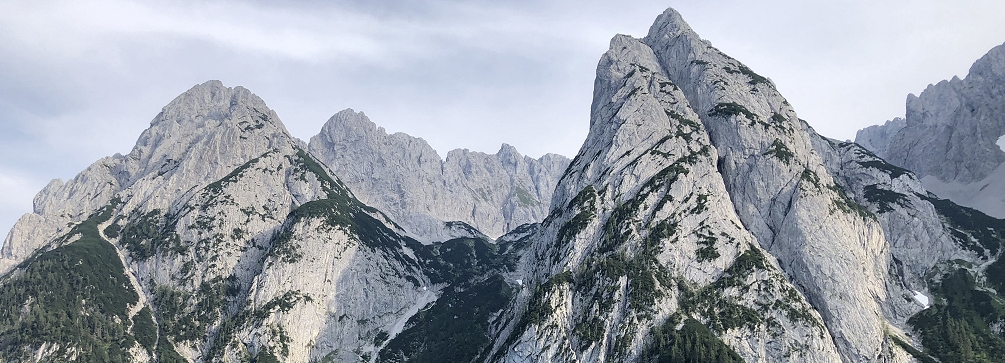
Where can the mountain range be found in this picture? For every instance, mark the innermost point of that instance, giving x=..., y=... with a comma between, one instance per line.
x=951, y=136
x=702, y=220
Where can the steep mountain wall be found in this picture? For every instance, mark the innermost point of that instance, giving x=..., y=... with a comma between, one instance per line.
x=701, y=220
x=237, y=243
x=404, y=177
x=644, y=237
x=949, y=136
x=689, y=153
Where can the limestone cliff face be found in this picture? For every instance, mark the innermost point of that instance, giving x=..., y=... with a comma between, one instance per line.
x=701, y=219
x=170, y=158
x=877, y=138
x=781, y=190
x=949, y=136
x=404, y=177
x=237, y=239
x=643, y=236
x=682, y=135
x=917, y=235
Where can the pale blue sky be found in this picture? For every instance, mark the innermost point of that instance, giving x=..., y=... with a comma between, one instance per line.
x=81, y=80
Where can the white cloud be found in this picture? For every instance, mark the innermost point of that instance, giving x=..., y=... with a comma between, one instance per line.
x=75, y=29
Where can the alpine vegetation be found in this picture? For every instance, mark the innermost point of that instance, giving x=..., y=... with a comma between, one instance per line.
x=701, y=220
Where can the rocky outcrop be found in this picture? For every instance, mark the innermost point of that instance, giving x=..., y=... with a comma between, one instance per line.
x=781, y=190
x=643, y=237
x=877, y=138
x=918, y=237
x=681, y=133
x=404, y=177
x=701, y=219
x=949, y=136
x=170, y=158
x=242, y=244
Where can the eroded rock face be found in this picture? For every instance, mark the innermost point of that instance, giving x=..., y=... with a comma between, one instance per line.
x=700, y=209
x=191, y=142
x=877, y=138
x=404, y=177
x=240, y=242
x=677, y=122
x=643, y=236
x=949, y=135
x=780, y=188
x=918, y=237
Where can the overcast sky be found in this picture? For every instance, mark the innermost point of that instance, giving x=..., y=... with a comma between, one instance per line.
x=81, y=80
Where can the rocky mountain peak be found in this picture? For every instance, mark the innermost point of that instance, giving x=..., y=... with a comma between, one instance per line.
x=508, y=155
x=670, y=23
x=203, y=134
x=952, y=126
x=349, y=122
x=209, y=105
x=406, y=178
x=991, y=65
x=949, y=136
x=877, y=137
x=199, y=137
x=701, y=220
x=677, y=179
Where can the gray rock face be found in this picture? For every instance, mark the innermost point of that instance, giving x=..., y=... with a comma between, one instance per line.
x=877, y=137
x=682, y=135
x=239, y=241
x=644, y=193
x=404, y=177
x=917, y=236
x=781, y=189
x=699, y=203
x=170, y=158
x=949, y=136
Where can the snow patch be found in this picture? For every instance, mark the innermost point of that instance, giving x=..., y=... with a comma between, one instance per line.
x=921, y=299
x=987, y=195
x=1001, y=142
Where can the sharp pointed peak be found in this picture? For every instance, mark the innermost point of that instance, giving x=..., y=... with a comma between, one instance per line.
x=670, y=22
x=507, y=149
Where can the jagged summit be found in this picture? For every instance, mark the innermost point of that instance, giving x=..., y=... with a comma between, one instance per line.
x=217, y=216
x=670, y=23
x=949, y=136
x=701, y=220
x=877, y=138
x=211, y=107
x=199, y=137
x=216, y=116
x=406, y=178
x=991, y=65
x=210, y=100
x=675, y=125
x=953, y=125
x=640, y=221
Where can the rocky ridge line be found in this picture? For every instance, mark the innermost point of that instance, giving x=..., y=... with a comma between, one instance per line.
x=949, y=136
x=643, y=237
x=404, y=177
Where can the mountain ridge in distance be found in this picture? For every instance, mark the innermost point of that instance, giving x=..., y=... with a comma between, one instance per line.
x=951, y=136
x=701, y=219
x=492, y=193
